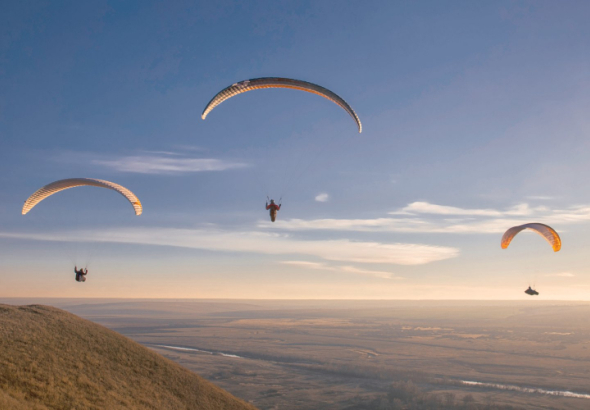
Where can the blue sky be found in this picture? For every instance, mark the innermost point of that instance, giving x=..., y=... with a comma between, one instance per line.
x=474, y=120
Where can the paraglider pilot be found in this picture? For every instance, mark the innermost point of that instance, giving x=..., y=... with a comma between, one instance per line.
x=273, y=209
x=80, y=274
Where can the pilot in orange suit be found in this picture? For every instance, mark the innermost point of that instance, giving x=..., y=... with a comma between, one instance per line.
x=273, y=209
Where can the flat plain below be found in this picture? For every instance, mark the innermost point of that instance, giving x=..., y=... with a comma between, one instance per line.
x=345, y=354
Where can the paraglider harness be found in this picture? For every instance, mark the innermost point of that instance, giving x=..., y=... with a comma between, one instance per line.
x=81, y=274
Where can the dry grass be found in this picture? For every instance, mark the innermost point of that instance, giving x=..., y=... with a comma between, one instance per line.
x=51, y=359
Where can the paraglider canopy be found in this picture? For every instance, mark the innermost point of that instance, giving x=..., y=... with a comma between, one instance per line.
x=278, y=82
x=545, y=231
x=63, y=184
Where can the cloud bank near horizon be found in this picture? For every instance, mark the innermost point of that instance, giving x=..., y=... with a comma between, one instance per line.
x=343, y=250
x=341, y=269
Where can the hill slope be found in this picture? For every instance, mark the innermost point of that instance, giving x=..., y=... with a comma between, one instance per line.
x=52, y=359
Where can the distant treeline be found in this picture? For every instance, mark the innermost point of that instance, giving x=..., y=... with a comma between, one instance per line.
x=405, y=395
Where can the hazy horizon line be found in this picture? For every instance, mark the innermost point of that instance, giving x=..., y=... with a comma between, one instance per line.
x=296, y=299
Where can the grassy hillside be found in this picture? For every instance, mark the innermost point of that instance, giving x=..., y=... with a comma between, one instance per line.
x=51, y=359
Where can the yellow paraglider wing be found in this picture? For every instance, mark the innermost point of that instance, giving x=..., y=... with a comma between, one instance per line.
x=545, y=231
x=63, y=184
x=277, y=82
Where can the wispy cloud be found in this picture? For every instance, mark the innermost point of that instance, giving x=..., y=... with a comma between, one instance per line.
x=562, y=274
x=323, y=197
x=423, y=217
x=342, y=250
x=402, y=225
x=540, y=197
x=162, y=153
x=341, y=269
x=433, y=209
x=165, y=163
